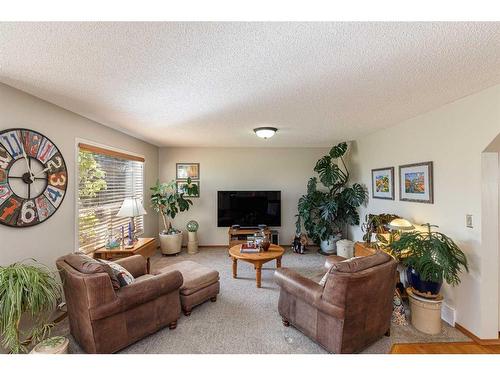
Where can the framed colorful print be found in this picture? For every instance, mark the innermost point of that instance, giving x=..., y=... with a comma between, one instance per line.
x=415, y=183
x=180, y=188
x=383, y=183
x=187, y=170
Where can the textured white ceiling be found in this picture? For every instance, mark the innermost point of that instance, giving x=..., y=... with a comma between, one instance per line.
x=210, y=84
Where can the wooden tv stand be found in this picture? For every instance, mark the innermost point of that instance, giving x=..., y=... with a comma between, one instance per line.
x=240, y=235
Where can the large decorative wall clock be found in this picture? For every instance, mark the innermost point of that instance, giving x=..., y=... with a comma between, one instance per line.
x=33, y=178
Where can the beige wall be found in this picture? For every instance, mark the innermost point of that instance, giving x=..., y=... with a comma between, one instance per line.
x=285, y=169
x=55, y=237
x=453, y=137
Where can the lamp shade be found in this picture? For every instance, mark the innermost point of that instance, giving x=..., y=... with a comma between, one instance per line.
x=131, y=207
x=401, y=224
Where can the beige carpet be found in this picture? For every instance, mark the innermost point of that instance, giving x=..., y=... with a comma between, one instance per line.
x=245, y=319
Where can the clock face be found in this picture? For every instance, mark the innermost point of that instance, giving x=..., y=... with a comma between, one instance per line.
x=33, y=178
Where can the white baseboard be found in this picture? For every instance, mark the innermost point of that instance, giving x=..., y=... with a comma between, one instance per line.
x=448, y=314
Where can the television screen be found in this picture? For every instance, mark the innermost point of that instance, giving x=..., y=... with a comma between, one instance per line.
x=248, y=208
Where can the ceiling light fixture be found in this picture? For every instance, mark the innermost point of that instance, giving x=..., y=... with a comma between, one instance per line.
x=265, y=132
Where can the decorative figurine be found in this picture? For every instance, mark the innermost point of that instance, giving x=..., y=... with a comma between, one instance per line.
x=299, y=243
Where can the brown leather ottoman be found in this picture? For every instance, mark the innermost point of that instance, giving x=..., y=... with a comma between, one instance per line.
x=200, y=284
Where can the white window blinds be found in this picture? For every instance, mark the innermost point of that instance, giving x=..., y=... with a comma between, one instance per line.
x=105, y=179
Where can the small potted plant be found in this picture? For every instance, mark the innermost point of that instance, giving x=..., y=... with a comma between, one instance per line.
x=27, y=290
x=431, y=258
x=168, y=200
x=326, y=210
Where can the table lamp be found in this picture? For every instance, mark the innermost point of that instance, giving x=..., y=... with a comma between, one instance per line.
x=131, y=207
x=401, y=224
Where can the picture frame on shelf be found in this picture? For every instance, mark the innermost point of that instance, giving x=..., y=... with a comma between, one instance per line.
x=416, y=182
x=183, y=171
x=383, y=183
x=180, y=183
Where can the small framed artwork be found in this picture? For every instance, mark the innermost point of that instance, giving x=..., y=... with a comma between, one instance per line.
x=383, y=183
x=187, y=170
x=416, y=182
x=180, y=188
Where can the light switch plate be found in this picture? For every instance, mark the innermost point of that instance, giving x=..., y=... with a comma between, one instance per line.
x=468, y=221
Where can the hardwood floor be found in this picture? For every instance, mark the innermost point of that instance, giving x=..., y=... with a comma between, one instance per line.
x=445, y=348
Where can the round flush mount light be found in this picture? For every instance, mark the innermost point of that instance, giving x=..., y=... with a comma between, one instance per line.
x=265, y=132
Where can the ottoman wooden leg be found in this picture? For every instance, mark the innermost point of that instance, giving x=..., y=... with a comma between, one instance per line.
x=173, y=325
x=213, y=299
x=187, y=312
x=285, y=322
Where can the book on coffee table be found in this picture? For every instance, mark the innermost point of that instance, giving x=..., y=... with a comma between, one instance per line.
x=248, y=249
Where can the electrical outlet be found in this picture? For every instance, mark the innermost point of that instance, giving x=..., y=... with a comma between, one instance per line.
x=468, y=221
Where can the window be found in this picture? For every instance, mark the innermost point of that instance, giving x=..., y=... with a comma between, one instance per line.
x=105, y=179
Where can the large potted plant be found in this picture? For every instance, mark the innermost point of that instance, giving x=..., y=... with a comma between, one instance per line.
x=326, y=210
x=431, y=258
x=168, y=200
x=27, y=291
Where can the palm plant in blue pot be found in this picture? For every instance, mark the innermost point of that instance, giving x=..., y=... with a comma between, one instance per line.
x=431, y=258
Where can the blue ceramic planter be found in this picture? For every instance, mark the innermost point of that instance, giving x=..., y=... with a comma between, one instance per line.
x=426, y=287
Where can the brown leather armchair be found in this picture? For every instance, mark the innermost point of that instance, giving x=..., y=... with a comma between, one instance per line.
x=351, y=311
x=104, y=320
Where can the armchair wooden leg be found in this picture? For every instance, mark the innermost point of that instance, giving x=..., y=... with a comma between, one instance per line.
x=388, y=333
x=213, y=299
x=187, y=312
x=173, y=325
x=285, y=322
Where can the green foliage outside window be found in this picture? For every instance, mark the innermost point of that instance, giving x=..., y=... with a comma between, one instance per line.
x=91, y=181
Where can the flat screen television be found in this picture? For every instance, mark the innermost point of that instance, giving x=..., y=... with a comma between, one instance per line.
x=248, y=208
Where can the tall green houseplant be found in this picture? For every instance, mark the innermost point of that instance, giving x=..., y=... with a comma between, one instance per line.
x=326, y=210
x=168, y=200
x=30, y=289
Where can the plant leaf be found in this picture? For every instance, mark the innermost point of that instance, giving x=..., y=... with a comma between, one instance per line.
x=338, y=150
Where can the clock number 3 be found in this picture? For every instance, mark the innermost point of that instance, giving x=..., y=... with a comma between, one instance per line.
x=57, y=179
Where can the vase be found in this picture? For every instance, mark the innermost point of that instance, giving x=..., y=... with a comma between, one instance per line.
x=430, y=288
x=265, y=244
x=171, y=243
x=192, y=245
x=329, y=246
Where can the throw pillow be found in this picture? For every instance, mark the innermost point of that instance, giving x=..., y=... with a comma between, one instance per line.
x=85, y=264
x=124, y=277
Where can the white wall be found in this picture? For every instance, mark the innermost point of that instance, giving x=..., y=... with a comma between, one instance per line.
x=285, y=169
x=491, y=200
x=56, y=236
x=453, y=137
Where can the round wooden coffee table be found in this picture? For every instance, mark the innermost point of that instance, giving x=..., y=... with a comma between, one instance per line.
x=257, y=259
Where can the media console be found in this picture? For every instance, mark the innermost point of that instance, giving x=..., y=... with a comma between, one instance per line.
x=237, y=236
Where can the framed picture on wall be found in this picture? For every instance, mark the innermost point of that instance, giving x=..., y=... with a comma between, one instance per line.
x=416, y=182
x=187, y=170
x=180, y=188
x=383, y=183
